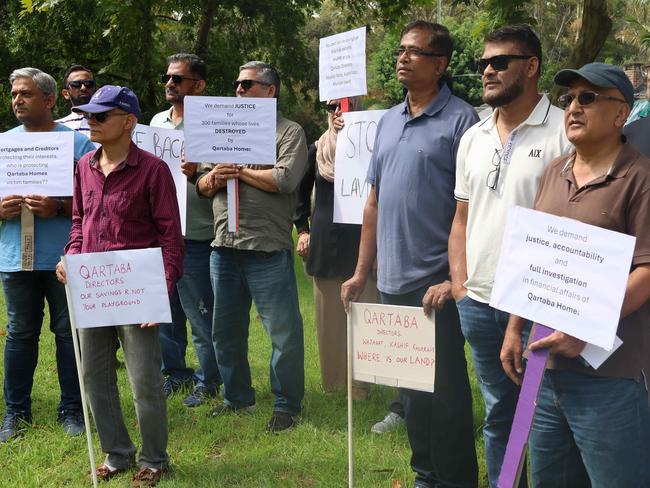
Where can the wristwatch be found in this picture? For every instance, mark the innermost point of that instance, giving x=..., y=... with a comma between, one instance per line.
x=60, y=207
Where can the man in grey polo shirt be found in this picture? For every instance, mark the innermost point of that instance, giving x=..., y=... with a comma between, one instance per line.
x=256, y=263
x=500, y=161
x=406, y=225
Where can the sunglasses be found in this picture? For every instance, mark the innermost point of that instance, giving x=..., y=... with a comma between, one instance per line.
x=100, y=117
x=176, y=79
x=499, y=62
x=247, y=84
x=78, y=84
x=332, y=107
x=584, y=98
x=492, y=180
x=415, y=52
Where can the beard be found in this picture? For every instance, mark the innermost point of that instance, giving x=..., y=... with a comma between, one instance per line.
x=80, y=100
x=507, y=94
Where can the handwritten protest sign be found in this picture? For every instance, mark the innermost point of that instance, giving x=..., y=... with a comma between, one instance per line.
x=342, y=65
x=37, y=163
x=168, y=145
x=354, y=146
x=118, y=288
x=563, y=273
x=393, y=345
x=230, y=130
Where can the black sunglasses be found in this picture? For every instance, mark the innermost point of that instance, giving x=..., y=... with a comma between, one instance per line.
x=100, y=117
x=584, y=98
x=176, y=79
x=247, y=84
x=499, y=62
x=77, y=84
x=332, y=107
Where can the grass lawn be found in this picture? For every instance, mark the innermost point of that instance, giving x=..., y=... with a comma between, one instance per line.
x=234, y=451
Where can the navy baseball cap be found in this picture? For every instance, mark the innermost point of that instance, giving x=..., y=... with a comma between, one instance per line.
x=109, y=97
x=601, y=75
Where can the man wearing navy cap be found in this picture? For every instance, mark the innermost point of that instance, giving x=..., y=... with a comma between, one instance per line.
x=124, y=198
x=592, y=426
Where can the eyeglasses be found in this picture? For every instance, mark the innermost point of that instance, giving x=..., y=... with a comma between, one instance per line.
x=584, y=98
x=247, y=84
x=100, y=117
x=77, y=84
x=499, y=62
x=492, y=179
x=176, y=79
x=332, y=107
x=415, y=52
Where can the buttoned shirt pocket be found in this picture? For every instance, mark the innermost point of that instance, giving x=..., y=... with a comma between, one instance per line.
x=126, y=205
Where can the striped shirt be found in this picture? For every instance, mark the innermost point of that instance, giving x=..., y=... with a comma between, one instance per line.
x=134, y=207
x=76, y=121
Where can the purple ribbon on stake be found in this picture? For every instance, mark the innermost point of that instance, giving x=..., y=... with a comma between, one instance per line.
x=514, y=458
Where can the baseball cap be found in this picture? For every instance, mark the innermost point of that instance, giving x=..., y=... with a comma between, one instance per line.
x=601, y=75
x=109, y=97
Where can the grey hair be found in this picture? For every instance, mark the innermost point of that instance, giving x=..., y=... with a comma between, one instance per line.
x=43, y=81
x=266, y=72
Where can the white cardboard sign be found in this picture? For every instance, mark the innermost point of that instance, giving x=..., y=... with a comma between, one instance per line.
x=118, y=288
x=238, y=130
x=37, y=163
x=564, y=274
x=354, y=146
x=168, y=145
x=393, y=345
x=342, y=65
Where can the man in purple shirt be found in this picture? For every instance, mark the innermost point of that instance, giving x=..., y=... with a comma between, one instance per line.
x=124, y=198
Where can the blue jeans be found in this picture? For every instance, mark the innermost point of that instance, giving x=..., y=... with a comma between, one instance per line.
x=590, y=429
x=193, y=299
x=440, y=424
x=25, y=294
x=484, y=328
x=238, y=278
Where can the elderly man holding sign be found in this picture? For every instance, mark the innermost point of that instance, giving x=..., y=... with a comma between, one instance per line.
x=592, y=426
x=124, y=198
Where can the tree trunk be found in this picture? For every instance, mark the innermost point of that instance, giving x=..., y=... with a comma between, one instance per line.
x=207, y=21
x=595, y=27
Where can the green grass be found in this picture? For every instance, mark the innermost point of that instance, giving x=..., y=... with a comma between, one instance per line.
x=234, y=451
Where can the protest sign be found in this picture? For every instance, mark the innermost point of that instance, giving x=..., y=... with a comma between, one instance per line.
x=168, y=145
x=393, y=345
x=118, y=288
x=37, y=163
x=230, y=130
x=564, y=273
x=354, y=146
x=342, y=65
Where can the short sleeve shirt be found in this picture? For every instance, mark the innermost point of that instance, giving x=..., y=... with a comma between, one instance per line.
x=618, y=201
x=520, y=163
x=412, y=170
x=50, y=235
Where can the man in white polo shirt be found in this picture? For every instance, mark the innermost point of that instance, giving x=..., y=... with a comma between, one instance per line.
x=499, y=164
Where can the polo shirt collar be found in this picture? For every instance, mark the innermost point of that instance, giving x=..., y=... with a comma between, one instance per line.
x=539, y=115
x=627, y=156
x=435, y=106
x=168, y=116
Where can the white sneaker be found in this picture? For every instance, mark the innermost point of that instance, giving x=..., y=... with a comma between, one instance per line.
x=391, y=422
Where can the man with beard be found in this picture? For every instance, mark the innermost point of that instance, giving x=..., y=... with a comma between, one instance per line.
x=500, y=161
x=193, y=297
x=78, y=86
x=406, y=223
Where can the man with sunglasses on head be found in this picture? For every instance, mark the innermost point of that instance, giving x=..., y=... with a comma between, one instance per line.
x=592, y=426
x=406, y=225
x=500, y=161
x=78, y=86
x=256, y=263
x=124, y=198
x=193, y=297
x=28, y=278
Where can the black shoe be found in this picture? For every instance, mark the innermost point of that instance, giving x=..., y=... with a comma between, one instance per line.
x=13, y=425
x=172, y=385
x=200, y=395
x=281, y=421
x=72, y=422
x=224, y=408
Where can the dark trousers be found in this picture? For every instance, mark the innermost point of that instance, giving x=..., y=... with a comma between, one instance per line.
x=440, y=424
